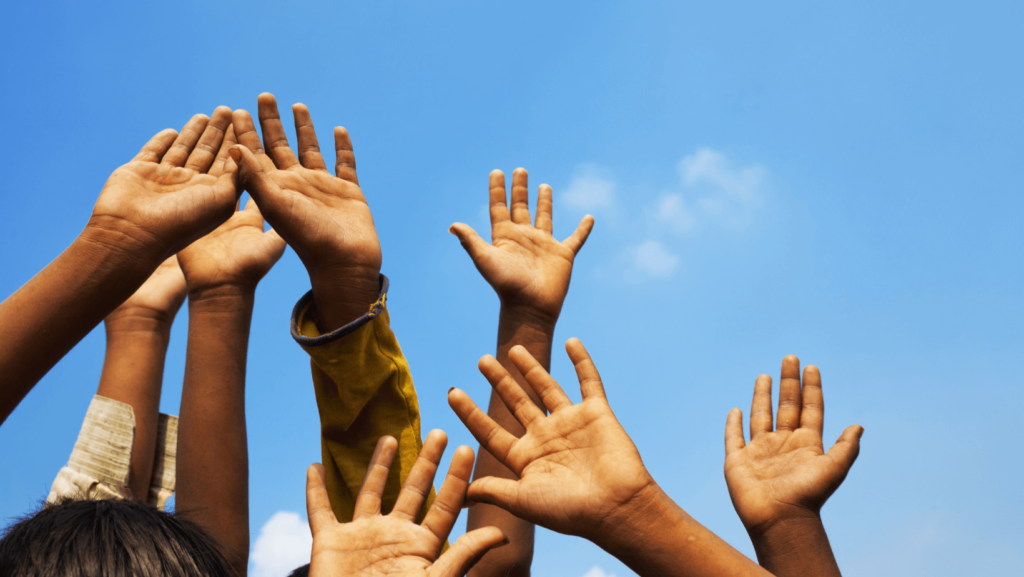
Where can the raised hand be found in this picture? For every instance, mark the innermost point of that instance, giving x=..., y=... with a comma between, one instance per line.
x=524, y=264
x=323, y=217
x=164, y=198
x=394, y=544
x=158, y=299
x=577, y=467
x=785, y=473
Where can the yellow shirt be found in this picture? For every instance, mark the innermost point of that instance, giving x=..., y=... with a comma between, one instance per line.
x=363, y=392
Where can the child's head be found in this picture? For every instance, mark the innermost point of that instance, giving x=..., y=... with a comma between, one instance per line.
x=108, y=538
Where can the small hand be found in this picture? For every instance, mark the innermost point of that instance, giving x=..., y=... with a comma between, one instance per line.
x=159, y=298
x=238, y=253
x=393, y=544
x=577, y=467
x=786, y=472
x=524, y=264
x=324, y=218
x=164, y=198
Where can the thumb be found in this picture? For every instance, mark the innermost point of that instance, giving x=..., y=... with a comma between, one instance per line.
x=465, y=552
x=470, y=240
x=318, y=505
x=495, y=491
x=846, y=449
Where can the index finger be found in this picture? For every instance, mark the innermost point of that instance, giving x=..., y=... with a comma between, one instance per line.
x=813, y=414
x=371, y=493
x=586, y=371
x=445, y=510
x=209, y=145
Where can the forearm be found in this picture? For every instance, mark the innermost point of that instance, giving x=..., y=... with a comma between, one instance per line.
x=535, y=333
x=47, y=316
x=795, y=547
x=133, y=371
x=344, y=294
x=213, y=460
x=654, y=537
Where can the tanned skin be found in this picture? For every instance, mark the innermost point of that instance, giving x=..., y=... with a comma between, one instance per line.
x=324, y=218
x=138, y=333
x=530, y=271
x=780, y=480
x=148, y=210
x=222, y=270
x=580, y=474
x=393, y=544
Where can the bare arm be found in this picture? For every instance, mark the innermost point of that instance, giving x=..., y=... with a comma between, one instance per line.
x=530, y=272
x=138, y=332
x=148, y=209
x=222, y=270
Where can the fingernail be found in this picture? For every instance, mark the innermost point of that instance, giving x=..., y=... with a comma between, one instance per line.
x=450, y=390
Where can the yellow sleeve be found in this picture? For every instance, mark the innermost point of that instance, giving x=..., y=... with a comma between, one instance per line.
x=363, y=391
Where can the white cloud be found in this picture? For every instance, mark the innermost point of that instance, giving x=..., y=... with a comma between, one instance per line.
x=590, y=188
x=598, y=572
x=715, y=191
x=284, y=544
x=654, y=259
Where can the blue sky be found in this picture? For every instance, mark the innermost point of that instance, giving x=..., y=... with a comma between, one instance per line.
x=841, y=181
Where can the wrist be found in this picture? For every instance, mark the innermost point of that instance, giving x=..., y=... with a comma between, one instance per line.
x=134, y=320
x=221, y=299
x=529, y=317
x=344, y=295
x=120, y=239
x=785, y=529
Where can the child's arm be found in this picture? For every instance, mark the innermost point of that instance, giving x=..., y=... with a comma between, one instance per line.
x=780, y=480
x=148, y=210
x=530, y=271
x=138, y=333
x=363, y=386
x=580, y=474
x=394, y=543
x=222, y=270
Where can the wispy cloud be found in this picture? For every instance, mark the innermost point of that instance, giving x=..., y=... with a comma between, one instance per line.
x=715, y=192
x=591, y=188
x=598, y=572
x=654, y=259
x=284, y=544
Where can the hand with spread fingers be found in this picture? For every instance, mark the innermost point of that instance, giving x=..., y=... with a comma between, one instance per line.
x=524, y=264
x=394, y=544
x=238, y=253
x=577, y=467
x=324, y=217
x=166, y=197
x=781, y=478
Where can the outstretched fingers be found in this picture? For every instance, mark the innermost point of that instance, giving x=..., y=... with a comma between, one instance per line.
x=371, y=493
x=206, y=150
x=576, y=241
x=253, y=175
x=520, y=197
x=157, y=146
x=543, y=221
x=421, y=476
x=734, y=432
x=812, y=416
x=550, y=393
x=274, y=138
x=498, y=202
x=586, y=371
x=515, y=398
x=445, y=510
x=186, y=141
x=309, y=147
x=318, y=504
x=787, y=417
x=245, y=132
x=492, y=437
x=761, y=407
x=467, y=551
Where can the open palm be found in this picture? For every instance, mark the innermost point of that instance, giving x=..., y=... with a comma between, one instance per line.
x=576, y=466
x=786, y=472
x=165, y=198
x=524, y=263
x=324, y=218
x=394, y=544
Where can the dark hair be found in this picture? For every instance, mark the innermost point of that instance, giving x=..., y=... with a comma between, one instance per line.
x=300, y=572
x=108, y=538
